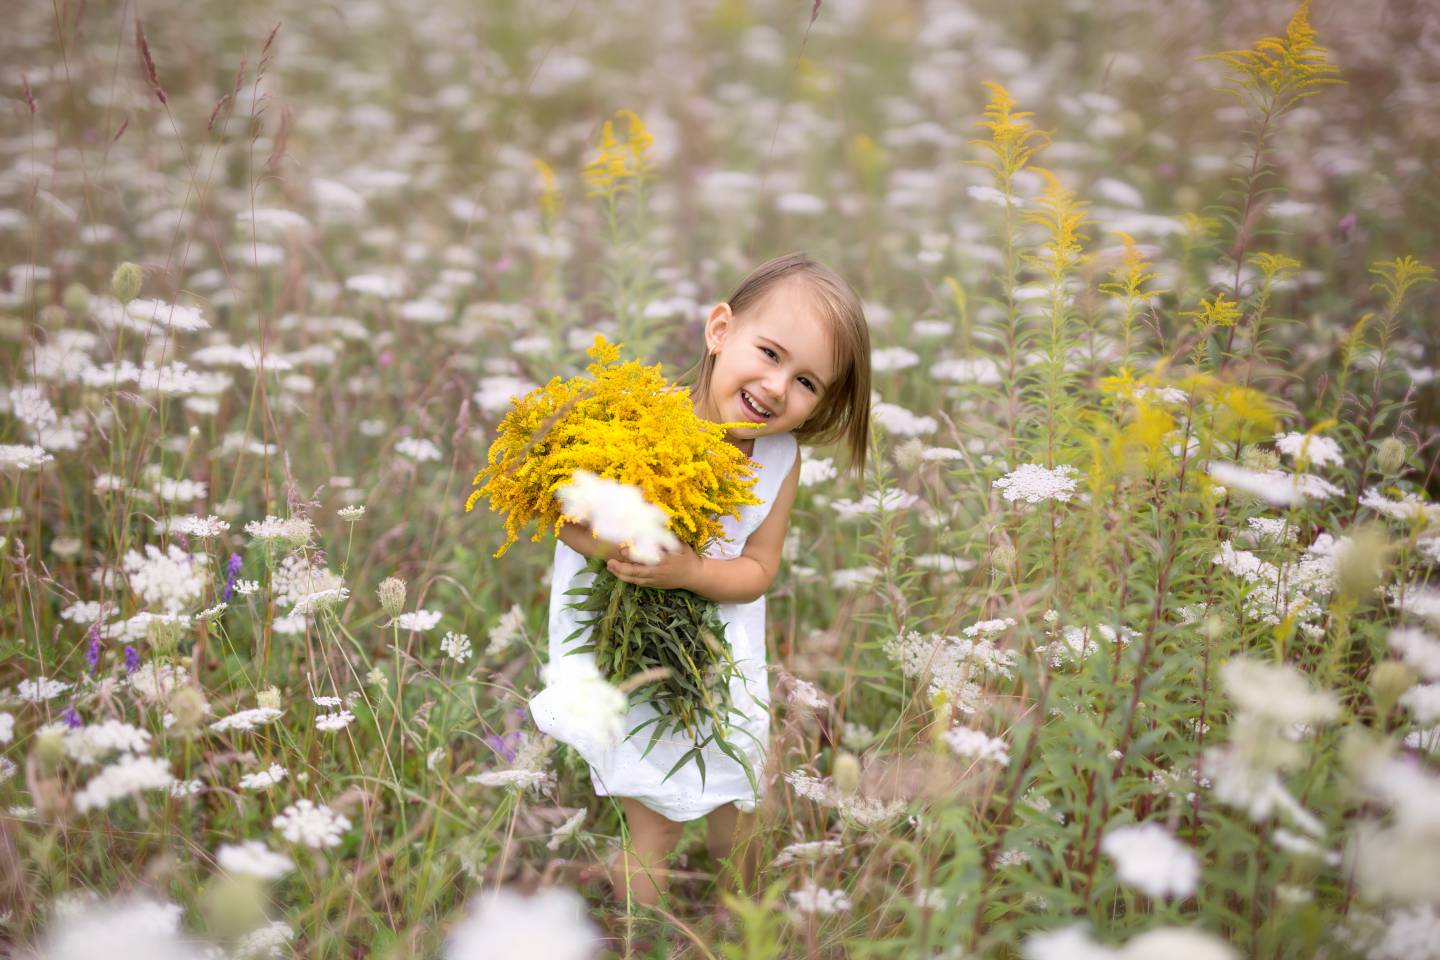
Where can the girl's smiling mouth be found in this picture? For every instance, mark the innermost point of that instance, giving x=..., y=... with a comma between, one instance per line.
x=753, y=408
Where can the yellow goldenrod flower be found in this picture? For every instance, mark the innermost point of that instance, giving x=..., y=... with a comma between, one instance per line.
x=622, y=422
x=1243, y=413
x=1275, y=266
x=617, y=162
x=1396, y=277
x=1061, y=215
x=549, y=193
x=1219, y=312
x=1133, y=273
x=1012, y=140
x=1278, y=71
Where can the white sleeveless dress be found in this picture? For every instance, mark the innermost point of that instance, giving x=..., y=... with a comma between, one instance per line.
x=620, y=770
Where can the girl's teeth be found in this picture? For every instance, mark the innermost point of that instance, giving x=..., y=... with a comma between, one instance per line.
x=750, y=401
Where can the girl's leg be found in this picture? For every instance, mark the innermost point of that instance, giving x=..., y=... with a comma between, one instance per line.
x=641, y=868
x=730, y=835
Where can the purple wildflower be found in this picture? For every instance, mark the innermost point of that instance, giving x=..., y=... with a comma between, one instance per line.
x=72, y=718
x=507, y=746
x=233, y=568
x=132, y=659
x=92, y=653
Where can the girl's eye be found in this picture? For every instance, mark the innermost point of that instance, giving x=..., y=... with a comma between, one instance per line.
x=808, y=385
x=770, y=353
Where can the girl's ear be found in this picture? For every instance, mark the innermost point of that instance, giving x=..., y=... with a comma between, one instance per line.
x=718, y=326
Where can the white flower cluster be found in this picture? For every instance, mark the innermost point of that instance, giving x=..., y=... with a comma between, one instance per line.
x=1161, y=943
x=968, y=742
x=953, y=663
x=331, y=722
x=509, y=628
x=253, y=858
x=298, y=578
x=418, y=449
x=812, y=899
x=126, y=777
x=892, y=500
x=1275, y=487
x=135, y=929
x=250, y=719
x=1272, y=701
x=263, y=779
x=618, y=513
x=1294, y=588
x=1409, y=508
x=456, y=646
x=580, y=702
x=19, y=457
x=1150, y=859
x=895, y=419
x=1397, y=859
x=159, y=313
x=294, y=530
x=807, y=851
x=1310, y=450
x=419, y=620
x=1034, y=483
x=554, y=924
x=170, y=579
x=92, y=743
x=315, y=826
x=866, y=813
x=40, y=689
x=1418, y=649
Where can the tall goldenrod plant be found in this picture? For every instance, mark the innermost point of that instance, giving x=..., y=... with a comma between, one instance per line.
x=617, y=176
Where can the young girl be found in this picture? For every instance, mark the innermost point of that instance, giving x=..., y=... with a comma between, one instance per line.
x=789, y=352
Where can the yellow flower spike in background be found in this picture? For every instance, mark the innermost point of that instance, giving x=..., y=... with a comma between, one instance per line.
x=1217, y=312
x=1278, y=71
x=1012, y=139
x=1061, y=215
x=549, y=193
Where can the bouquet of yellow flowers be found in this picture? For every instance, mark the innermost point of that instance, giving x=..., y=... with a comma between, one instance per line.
x=624, y=423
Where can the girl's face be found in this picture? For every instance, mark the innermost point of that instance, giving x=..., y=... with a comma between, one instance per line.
x=772, y=365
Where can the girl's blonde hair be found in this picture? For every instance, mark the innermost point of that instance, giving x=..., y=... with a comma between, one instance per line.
x=844, y=411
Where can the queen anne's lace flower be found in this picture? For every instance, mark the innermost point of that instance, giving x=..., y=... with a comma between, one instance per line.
x=330, y=722
x=246, y=719
x=618, y=513
x=40, y=689
x=314, y=826
x=1034, y=483
x=254, y=858
x=967, y=742
x=421, y=620
x=263, y=779
x=124, y=778
x=1316, y=450
x=812, y=899
x=1148, y=858
x=553, y=924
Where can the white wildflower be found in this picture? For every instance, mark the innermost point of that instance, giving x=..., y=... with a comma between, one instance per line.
x=517, y=779
x=173, y=315
x=1316, y=451
x=351, y=513
x=1150, y=859
x=314, y=826
x=418, y=449
x=1034, y=483
x=40, y=689
x=1418, y=649
x=566, y=830
x=250, y=719
x=554, y=924
x=7, y=727
x=506, y=631
x=456, y=646
x=896, y=420
x=421, y=620
x=808, y=851
x=1277, y=692
x=268, y=942
x=294, y=530
x=263, y=779
x=812, y=899
x=1273, y=486
x=816, y=471
x=126, y=777
x=95, y=742
x=968, y=742
x=171, y=579
x=578, y=704
x=253, y=858
x=133, y=929
x=331, y=722
x=618, y=513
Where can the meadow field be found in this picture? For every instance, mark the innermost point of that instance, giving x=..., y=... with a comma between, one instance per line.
x=1127, y=644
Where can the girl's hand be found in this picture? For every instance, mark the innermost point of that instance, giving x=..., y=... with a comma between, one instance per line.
x=676, y=569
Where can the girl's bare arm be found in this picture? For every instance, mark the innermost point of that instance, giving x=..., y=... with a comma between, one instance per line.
x=577, y=537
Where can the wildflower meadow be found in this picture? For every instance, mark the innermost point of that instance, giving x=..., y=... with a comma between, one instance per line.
x=1125, y=645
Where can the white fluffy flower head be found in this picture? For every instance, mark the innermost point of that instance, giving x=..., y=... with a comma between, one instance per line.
x=618, y=513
